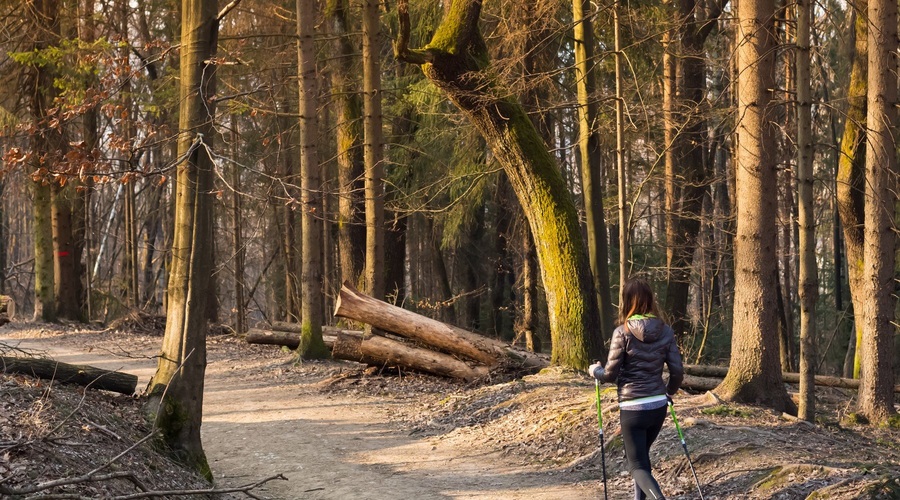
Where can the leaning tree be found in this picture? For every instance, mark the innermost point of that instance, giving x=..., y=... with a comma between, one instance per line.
x=457, y=61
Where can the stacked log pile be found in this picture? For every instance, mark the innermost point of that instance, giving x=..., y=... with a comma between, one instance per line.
x=408, y=340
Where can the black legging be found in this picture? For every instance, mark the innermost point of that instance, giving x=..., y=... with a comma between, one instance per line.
x=639, y=430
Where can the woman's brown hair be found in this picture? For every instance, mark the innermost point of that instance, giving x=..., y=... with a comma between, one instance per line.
x=637, y=298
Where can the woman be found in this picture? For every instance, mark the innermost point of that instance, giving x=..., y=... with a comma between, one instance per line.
x=640, y=347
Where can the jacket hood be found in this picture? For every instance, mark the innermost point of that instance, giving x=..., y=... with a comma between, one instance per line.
x=647, y=330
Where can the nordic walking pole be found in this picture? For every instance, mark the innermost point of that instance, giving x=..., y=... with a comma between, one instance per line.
x=602, y=447
x=684, y=445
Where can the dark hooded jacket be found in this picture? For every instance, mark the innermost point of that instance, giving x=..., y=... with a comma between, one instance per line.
x=637, y=356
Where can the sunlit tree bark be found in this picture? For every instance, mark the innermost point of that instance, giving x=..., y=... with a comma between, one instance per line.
x=876, y=393
x=754, y=373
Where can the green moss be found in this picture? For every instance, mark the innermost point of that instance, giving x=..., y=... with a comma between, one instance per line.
x=893, y=422
x=773, y=480
x=171, y=418
x=784, y=475
x=311, y=344
x=855, y=419
x=727, y=411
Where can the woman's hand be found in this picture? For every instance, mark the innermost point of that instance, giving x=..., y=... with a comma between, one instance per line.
x=596, y=370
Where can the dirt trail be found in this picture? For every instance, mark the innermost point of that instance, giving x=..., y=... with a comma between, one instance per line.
x=329, y=445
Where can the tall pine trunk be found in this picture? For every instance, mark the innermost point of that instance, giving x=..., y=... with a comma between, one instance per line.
x=755, y=373
x=66, y=280
x=876, y=394
x=809, y=281
x=240, y=312
x=312, y=289
x=591, y=178
x=372, y=150
x=624, y=225
x=687, y=177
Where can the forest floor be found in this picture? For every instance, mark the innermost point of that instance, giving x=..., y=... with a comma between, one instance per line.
x=337, y=430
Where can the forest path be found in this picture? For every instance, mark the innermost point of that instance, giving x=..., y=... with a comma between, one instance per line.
x=330, y=445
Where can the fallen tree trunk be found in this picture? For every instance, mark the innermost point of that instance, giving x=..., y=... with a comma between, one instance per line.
x=88, y=376
x=700, y=383
x=359, y=307
x=381, y=351
x=789, y=377
x=286, y=339
x=291, y=340
x=284, y=326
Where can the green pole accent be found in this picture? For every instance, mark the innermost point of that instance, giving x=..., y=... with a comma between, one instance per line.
x=677, y=426
x=684, y=446
x=602, y=447
x=599, y=414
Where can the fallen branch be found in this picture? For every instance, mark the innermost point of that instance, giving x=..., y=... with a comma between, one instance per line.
x=88, y=376
x=246, y=489
x=788, y=377
x=700, y=383
x=291, y=339
x=93, y=475
x=145, y=492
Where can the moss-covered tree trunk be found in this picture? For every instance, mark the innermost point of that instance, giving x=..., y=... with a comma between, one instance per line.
x=348, y=131
x=876, y=394
x=176, y=390
x=754, y=374
x=852, y=170
x=312, y=289
x=47, y=143
x=456, y=61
